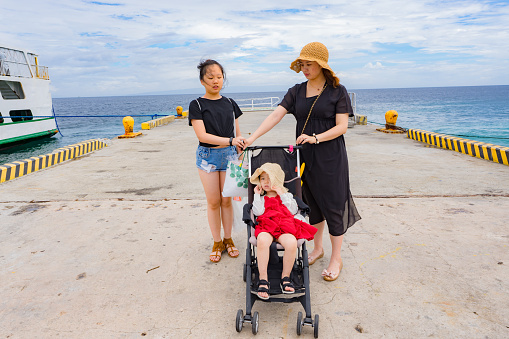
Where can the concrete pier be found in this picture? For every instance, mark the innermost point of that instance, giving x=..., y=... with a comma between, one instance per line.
x=115, y=244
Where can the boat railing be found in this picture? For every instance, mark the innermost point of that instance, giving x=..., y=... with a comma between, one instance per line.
x=40, y=72
x=15, y=69
x=258, y=104
x=16, y=63
x=19, y=69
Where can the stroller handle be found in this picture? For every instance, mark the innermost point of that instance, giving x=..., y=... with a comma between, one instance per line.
x=252, y=148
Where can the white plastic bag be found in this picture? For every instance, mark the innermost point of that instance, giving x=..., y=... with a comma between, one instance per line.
x=238, y=209
x=235, y=183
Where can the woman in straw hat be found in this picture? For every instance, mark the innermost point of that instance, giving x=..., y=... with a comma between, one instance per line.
x=321, y=106
x=278, y=218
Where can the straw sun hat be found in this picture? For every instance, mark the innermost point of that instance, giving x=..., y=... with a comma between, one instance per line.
x=275, y=172
x=314, y=51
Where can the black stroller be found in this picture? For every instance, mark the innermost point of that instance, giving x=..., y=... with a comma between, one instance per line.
x=288, y=158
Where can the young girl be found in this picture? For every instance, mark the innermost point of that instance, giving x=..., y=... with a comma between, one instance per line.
x=213, y=118
x=277, y=218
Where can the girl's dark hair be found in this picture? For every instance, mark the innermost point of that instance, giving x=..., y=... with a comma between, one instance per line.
x=204, y=64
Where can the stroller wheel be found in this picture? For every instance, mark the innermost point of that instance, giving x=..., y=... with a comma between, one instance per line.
x=299, y=323
x=239, y=321
x=315, y=325
x=255, y=322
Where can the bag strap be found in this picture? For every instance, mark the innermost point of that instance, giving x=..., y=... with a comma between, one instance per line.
x=314, y=102
x=243, y=157
x=233, y=111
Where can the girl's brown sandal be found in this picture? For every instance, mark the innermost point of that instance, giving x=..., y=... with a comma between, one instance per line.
x=217, y=250
x=230, y=247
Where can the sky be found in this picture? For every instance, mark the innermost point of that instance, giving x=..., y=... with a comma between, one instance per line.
x=127, y=47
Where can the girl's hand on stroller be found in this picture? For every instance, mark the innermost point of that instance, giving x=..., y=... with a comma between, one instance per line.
x=304, y=138
x=239, y=142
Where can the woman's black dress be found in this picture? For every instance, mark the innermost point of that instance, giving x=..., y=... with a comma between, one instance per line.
x=326, y=185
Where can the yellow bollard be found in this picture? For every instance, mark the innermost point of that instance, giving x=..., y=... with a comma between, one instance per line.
x=180, y=113
x=391, y=116
x=128, y=122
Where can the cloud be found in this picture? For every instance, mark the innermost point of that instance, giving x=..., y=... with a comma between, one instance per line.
x=377, y=64
x=103, y=3
x=119, y=47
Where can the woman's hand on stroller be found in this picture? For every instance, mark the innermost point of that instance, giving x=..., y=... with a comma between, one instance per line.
x=304, y=138
x=248, y=142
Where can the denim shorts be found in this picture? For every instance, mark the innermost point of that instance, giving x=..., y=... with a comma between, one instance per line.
x=214, y=159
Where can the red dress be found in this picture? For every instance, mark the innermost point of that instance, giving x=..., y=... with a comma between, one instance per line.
x=278, y=220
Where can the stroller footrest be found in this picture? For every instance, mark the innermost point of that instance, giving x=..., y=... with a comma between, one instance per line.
x=278, y=292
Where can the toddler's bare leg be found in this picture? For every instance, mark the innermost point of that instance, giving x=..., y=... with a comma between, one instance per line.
x=289, y=242
x=263, y=242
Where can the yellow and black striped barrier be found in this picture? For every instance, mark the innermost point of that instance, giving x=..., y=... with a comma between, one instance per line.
x=19, y=168
x=473, y=148
x=157, y=122
x=361, y=119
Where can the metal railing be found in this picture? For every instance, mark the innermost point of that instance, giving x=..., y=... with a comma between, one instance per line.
x=353, y=100
x=20, y=69
x=16, y=63
x=40, y=72
x=268, y=103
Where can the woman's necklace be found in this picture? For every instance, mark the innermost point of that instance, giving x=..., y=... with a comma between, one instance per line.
x=313, y=90
x=317, y=88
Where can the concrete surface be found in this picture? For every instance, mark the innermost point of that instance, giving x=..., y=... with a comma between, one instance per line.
x=115, y=245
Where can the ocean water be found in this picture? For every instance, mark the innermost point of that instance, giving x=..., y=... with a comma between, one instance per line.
x=476, y=112
x=479, y=113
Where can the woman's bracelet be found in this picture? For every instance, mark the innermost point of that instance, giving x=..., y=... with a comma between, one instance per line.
x=316, y=138
x=231, y=139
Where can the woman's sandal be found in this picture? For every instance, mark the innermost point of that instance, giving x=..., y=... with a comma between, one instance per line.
x=230, y=247
x=263, y=289
x=217, y=250
x=311, y=262
x=331, y=276
x=286, y=283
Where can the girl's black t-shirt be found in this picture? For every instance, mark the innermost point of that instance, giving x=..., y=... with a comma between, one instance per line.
x=217, y=116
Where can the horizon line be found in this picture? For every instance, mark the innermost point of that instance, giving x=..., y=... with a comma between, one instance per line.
x=193, y=91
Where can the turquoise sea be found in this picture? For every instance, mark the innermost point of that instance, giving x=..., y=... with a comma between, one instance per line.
x=473, y=112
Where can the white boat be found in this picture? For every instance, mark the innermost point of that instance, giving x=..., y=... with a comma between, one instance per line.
x=25, y=102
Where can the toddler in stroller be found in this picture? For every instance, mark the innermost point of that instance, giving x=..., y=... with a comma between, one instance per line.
x=275, y=209
x=275, y=222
